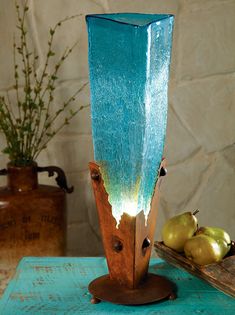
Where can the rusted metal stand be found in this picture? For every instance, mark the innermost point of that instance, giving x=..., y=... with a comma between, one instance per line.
x=127, y=250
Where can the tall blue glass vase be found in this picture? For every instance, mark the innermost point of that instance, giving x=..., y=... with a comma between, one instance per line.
x=129, y=59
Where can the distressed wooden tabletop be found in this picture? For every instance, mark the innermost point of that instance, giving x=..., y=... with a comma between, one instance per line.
x=59, y=286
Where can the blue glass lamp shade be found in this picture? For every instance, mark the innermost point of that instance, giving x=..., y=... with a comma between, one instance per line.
x=129, y=58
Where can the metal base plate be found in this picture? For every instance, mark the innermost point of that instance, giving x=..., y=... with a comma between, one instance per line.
x=153, y=289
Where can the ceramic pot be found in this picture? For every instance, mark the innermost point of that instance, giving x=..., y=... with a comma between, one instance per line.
x=32, y=216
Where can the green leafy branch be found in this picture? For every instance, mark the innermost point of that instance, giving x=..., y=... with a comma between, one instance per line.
x=30, y=127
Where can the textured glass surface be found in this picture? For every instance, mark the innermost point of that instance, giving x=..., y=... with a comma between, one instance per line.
x=129, y=58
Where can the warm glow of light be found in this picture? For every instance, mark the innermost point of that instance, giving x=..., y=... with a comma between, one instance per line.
x=130, y=207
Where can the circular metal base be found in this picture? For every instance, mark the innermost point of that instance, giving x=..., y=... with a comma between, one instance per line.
x=153, y=289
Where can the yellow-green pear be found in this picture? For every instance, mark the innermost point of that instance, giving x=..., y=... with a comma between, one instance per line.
x=203, y=250
x=177, y=230
x=218, y=234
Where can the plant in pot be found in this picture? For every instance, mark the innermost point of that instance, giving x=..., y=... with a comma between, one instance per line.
x=32, y=216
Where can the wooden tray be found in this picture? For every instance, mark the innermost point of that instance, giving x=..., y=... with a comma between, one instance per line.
x=220, y=275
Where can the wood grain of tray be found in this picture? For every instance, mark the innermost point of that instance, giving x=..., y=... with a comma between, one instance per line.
x=220, y=275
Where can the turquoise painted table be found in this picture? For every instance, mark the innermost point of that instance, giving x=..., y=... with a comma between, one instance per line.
x=59, y=286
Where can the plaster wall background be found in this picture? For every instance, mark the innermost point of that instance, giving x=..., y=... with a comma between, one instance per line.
x=201, y=122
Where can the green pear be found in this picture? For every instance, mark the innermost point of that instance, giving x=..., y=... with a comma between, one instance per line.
x=177, y=230
x=203, y=250
x=218, y=234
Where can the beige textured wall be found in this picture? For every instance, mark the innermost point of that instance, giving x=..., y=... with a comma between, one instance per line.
x=201, y=122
